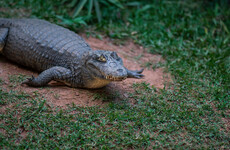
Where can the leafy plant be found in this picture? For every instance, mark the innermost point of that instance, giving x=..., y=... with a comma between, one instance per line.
x=79, y=5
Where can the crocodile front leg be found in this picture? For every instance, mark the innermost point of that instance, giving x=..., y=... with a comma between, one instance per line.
x=135, y=74
x=54, y=73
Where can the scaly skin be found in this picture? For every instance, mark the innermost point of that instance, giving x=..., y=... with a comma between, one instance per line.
x=59, y=54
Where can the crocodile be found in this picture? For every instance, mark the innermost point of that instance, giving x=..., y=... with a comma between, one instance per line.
x=59, y=54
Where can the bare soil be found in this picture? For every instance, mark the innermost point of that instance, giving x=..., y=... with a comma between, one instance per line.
x=134, y=57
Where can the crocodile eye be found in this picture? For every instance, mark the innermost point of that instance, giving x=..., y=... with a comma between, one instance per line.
x=102, y=58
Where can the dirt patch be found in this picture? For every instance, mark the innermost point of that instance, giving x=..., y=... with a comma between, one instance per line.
x=57, y=94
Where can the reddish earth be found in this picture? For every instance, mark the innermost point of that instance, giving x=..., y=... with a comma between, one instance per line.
x=57, y=94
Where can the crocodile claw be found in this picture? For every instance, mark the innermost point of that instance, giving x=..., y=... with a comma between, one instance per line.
x=28, y=80
x=135, y=74
x=140, y=71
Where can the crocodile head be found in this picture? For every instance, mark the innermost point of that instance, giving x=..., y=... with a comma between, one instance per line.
x=105, y=65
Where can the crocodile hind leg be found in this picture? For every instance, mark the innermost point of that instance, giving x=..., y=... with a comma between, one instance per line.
x=3, y=36
x=53, y=73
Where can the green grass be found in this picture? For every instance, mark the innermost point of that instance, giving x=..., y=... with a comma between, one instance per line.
x=1, y=81
x=16, y=80
x=192, y=113
x=156, y=120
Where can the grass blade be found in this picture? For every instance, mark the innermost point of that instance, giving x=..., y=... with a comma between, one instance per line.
x=90, y=8
x=98, y=11
x=116, y=3
x=72, y=4
x=79, y=8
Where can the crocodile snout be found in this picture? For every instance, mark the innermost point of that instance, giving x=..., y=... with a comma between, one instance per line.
x=113, y=64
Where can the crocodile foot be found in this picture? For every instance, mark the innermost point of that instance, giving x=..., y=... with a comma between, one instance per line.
x=28, y=81
x=135, y=74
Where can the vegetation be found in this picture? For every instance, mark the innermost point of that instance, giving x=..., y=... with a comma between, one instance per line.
x=193, y=113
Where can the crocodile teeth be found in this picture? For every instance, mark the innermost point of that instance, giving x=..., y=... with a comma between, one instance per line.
x=109, y=77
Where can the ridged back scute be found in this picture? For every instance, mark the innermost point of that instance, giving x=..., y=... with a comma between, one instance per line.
x=40, y=45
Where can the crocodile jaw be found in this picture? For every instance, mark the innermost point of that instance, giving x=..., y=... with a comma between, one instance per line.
x=97, y=83
x=101, y=82
x=112, y=78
